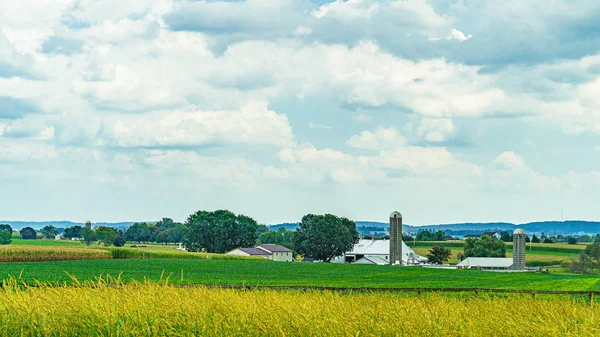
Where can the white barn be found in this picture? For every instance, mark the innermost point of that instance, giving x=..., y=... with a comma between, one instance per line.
x=486, y=263
x=377, y=252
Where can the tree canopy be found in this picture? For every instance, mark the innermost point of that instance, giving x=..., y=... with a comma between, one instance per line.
x=28, y=233
x=106, y=234
x=73, y=232
x=486, y=246
x=5, y=237
x=426, y=235
x=438, y=255
x=324, y=237
x=49, y=232
x=219, y=231
x=589, y=260
x=6, y=228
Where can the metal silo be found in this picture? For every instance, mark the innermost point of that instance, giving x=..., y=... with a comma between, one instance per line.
x=395, y=238
x=519, y=249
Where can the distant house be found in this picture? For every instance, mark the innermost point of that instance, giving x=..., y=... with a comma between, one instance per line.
x=486, y=263
x=278, y=253
x=450, y=238
x=472, y=236
x=270, y=252
x=493, y=234
x=250, y=252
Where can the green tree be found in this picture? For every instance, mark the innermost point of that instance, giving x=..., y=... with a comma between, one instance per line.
x=535, y=239
x=506, y=237
x=6, y=228
x=548, y=240
x=262, y=228
x=73, y=232
x=486, y=246
x=324, y=237
x=106, y=234
x=175, y=234
x=49, y=232
x=426, y=235
x=88, y=236
x=571, y=240
x=589, y=260
x=28, y=233
x=438, y=255
x=5, y=237
x=219, y=231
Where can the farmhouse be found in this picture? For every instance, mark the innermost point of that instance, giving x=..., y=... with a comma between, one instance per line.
x=270, y=252
x=493, y=234
x=377, y=251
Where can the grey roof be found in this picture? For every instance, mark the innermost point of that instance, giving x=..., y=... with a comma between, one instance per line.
x=275, y=248
x=489, y=233
x=254, y=251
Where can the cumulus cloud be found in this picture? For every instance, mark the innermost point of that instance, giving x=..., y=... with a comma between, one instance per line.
x=376, y=140
x=435, y=130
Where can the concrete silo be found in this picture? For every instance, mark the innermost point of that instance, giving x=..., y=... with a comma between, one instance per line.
x=396, y=238
x=519, y=249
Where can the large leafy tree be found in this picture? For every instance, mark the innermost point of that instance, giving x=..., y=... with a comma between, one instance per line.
x=219, y=231
x=73, y=232
x=6, y=228
x=426, y=235
x=106, y=234
x=438, y=255
x=324, y=237
x=28, y=233
x=5, y=237
x=49, y=231
x=486, y=246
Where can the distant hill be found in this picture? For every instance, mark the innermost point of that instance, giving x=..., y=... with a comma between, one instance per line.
x=18, y=225
x=548, y=227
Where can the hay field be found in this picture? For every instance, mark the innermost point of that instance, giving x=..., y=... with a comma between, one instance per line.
x=154, y=309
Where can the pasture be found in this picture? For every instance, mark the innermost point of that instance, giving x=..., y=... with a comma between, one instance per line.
x=153, y=309
x=267, y=273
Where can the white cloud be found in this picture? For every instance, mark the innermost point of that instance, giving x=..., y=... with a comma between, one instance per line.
x=456, y=34
x=509, y=161
x=376, y=140
x=435, y=129
x=319, y=126
x=253, y=123
x=348, y=10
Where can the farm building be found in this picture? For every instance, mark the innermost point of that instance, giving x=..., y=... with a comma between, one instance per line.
x=486, y=263
x=379, y=249
x=372, y=260
x=496, y=235
x=271, y=252
x=278, y=253
x=250, y=252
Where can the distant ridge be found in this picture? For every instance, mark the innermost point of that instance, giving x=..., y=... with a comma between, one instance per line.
x=548, y=227
x=18, y=225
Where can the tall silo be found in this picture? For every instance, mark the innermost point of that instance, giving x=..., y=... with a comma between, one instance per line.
x=519, y=249
x=396, y=238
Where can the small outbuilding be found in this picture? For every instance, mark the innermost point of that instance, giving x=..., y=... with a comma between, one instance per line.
x=278, y=253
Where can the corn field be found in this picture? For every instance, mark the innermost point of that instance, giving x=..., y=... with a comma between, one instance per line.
x=41, y=253
x=147, y=309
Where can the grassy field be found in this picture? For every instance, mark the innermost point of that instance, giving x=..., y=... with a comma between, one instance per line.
x=155, y=310
x=251, y=272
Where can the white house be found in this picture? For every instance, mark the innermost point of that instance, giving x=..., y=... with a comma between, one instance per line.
x=486, y=263
x=251, y=252
x=379, y=249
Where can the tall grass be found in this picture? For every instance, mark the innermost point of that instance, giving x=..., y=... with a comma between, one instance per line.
x=157, y=309
x=40, y=253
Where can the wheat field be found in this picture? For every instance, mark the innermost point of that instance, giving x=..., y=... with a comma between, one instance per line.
x=158, y=309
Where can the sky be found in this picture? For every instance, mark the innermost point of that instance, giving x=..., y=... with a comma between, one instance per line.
x=447, y=111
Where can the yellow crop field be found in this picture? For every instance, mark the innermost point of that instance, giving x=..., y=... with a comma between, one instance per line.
x=11, y=253
x=154, y=309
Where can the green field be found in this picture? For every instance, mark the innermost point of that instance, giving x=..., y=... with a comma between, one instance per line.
x=250, y=272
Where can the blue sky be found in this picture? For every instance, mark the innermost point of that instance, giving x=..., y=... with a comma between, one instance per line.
x=446, y=111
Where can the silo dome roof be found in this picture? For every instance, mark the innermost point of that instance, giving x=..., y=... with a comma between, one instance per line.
x=395, y=214
x=519, y=231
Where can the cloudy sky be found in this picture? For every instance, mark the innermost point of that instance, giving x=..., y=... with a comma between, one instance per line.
x=448, y=112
